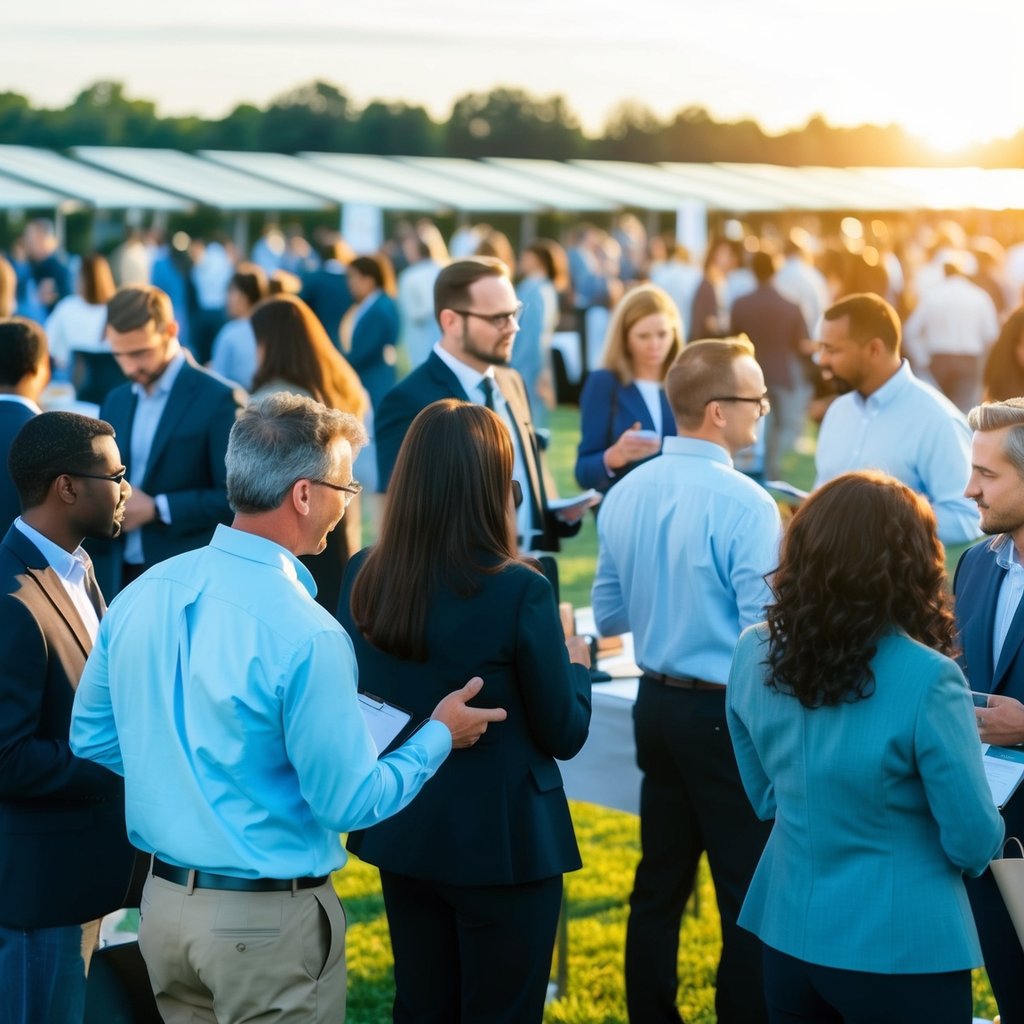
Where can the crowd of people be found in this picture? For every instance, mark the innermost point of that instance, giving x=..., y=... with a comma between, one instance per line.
x=802, y=718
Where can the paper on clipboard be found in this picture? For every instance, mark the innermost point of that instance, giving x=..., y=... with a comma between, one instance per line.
x=384, y=720
x=1004, y=769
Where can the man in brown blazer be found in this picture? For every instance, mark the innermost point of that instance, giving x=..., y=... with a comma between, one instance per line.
x=64, y=856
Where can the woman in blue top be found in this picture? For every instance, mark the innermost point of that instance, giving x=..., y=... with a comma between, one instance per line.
x=369, y=330
x=855, y=731
x=623, y=410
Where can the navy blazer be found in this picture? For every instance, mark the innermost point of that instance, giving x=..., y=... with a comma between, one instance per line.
x=495, y=813
x=186, y=463
x=64, y=855
x=607, y=409
x=432, y=381
x=13, y=416
x=375, y=331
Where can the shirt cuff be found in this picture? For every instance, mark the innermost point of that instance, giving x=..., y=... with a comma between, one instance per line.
x=604, y=461
x=436, y=740
x=163, y=508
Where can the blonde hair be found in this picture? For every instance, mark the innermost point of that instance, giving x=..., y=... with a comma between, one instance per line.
x=642, y=301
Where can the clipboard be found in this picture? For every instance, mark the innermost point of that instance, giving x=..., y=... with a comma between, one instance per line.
x=385, y=721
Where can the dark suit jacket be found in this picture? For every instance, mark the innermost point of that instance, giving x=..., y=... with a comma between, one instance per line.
x=607, y=409
x=432, y=381
x=495, y=813
x=13, y=416
x=186, y=463
x=776, y=327
x=374, y=331
x=64, y=855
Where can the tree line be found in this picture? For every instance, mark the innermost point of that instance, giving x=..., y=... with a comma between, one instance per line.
x=505, y=121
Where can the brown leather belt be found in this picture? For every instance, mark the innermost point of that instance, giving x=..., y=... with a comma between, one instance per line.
x=689, y=683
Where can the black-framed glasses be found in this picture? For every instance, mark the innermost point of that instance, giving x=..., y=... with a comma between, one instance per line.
x=517, y=493
x=763, y=405
x=353, y=488
x=114, y=478
x=496, y=320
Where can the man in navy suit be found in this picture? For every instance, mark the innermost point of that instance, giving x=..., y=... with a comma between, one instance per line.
x=24, y=373
x=173, y=419
x=64, y=856
x=478, y=313
x=988, y=586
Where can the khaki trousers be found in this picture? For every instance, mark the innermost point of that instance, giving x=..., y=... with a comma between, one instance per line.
x=231, y=957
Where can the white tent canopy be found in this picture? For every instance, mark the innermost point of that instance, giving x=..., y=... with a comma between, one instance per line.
x=18, y=195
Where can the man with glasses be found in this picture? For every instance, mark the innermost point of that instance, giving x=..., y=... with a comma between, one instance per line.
x=478, y=314
x=174, y=418
x=64, y=856
x=226, y=696
x=685, y=544
x=887, y=419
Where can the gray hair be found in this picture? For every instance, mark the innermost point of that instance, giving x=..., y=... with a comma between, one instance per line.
x=278, y=440
x=996, y=416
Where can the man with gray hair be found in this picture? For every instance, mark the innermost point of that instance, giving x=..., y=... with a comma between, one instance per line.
x=988, y=586
x=226, y=696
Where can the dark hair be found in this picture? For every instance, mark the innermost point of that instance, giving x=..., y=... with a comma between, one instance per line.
x=1004, y=374
x=553, y=259
x=763, y=266
x=48, y=445
x=250, y=280
x=22, y=349
x=859, y=559
x=378, y=268
x=870, y=317
x=134, y=306
x=451, y=289
x=296, y=349
x=95, y=280
x=445, y=522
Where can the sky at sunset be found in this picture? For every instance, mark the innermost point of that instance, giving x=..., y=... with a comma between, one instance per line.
x=946, y=71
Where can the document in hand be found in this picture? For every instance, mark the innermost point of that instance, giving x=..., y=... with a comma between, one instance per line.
x=1004, y=769
x=385, y=721
x=579, y=504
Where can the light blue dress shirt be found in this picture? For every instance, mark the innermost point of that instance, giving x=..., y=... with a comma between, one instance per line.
x=227, y=698
x=907, y=429
x=1010, y=592
x=234, y=352
x=685, y=542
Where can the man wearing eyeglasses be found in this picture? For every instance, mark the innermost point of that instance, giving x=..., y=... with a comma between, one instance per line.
x=685, y=544
x=64, y=856
x=478, y=314
x=174, y=418
x=887, y=419
x=226, y=696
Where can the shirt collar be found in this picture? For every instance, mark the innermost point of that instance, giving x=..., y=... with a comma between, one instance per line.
x=163, y=386
x=67, y=564
x=21, y=400
x=890, y=390
x=468, y=377
x=1005, y=552
x=695, y=446
x=268, y=552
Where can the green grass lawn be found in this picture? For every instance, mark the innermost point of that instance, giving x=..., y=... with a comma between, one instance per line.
x=609, y=840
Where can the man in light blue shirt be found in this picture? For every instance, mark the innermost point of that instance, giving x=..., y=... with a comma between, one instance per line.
x=889, y=420
x=686, y=542
x=227, y=698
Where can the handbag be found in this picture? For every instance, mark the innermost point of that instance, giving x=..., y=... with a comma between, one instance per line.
x=1009, y=875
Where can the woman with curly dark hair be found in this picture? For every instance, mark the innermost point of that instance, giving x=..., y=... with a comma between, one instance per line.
x=1004, y=368
x=855, y=731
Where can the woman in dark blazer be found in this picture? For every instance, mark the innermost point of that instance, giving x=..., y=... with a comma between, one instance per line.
x=369, y=330
x=623, y=410
x=471, y=870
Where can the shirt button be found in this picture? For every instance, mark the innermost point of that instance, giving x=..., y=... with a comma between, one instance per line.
x=240, y=947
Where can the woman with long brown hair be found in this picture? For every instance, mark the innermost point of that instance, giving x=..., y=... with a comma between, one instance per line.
x=855, y=731
x=472, y=869
x=294, y=353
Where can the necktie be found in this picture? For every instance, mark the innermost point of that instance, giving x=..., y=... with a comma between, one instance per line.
x=487, y=386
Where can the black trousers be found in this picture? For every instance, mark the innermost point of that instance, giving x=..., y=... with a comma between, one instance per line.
x=471, y=954
x=1004, y=958
x=803, y=993
x=691, y=801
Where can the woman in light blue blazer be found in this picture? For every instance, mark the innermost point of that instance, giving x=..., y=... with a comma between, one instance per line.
x=855, y=731
x=623, y=410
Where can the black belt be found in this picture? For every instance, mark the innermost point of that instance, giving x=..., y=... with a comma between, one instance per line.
x=229, y=883
x=687, y=683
